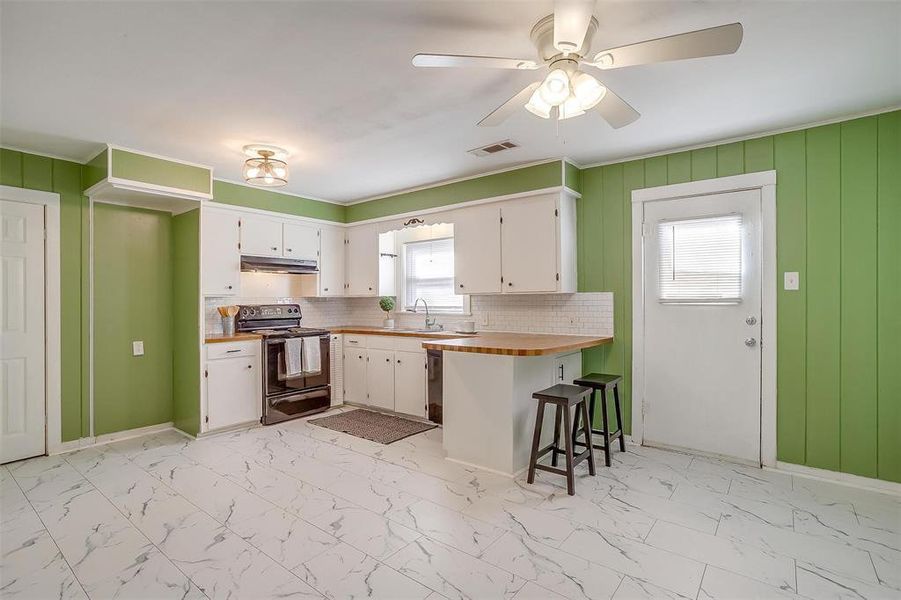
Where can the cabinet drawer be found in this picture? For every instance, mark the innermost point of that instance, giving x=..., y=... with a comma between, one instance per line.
x=354, y=341
x=381, y=342
x=407, y=344
x=231, y=350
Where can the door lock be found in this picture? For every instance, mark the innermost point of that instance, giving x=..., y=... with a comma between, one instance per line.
x=751, y=320
x=750, y=342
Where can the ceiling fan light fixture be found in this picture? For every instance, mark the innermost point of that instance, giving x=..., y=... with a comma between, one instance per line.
x=555, y=88
x=264, y=170
x=537, y=106
x=571, y=108
x=587, y=90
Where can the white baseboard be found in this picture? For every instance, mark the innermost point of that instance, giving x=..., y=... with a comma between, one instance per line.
x=855, y=481
x=88, y=442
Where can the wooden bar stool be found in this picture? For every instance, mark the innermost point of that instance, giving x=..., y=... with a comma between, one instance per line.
x=600, y=381
x=564, y=396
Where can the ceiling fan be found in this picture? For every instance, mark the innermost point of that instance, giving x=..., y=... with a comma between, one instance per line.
x=563, y=41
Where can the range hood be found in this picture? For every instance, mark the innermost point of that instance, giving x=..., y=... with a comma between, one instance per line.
x=265, y=264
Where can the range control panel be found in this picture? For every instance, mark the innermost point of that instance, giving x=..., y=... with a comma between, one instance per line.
x=259, y=312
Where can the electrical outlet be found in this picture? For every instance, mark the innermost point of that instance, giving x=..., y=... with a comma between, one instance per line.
x=137, y=348
x=792, y=280
x=484, y=321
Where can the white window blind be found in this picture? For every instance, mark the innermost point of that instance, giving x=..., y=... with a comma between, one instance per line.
x=429, y=274
x=700, y=260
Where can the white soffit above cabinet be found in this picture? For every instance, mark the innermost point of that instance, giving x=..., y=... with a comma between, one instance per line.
x=360, y=121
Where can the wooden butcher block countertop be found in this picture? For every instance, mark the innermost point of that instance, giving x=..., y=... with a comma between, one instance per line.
x=518, y=344
x=238, y=337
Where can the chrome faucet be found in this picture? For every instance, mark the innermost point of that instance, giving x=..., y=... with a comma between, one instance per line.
x=429, y=321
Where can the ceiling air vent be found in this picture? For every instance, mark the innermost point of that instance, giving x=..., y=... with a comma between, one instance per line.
x=494, y=148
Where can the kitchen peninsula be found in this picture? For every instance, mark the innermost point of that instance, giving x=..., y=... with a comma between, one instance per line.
x=489, y=414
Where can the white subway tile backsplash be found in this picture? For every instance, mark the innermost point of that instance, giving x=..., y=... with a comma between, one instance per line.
x=588, y=313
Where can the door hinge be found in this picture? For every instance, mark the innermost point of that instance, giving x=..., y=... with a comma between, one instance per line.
x=502, y=279
x=239, y=245
x=558, y=276
x=502, y=220
x=556, y=213
x=206, y=419
x=206, y=373
x=239, y=222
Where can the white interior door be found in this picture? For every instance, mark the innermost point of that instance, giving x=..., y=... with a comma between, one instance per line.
x=23, y=403
x=702, y=312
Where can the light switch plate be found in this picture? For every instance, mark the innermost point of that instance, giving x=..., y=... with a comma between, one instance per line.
x=137, y=348
x=792, y=280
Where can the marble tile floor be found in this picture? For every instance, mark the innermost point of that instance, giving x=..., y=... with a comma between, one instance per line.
x=297, y=511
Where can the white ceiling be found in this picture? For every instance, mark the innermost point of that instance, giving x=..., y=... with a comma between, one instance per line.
x=332, y=82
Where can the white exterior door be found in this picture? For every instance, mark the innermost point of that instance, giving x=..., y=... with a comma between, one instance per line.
x=702, y=324
x=221, y=253
x=23, y=403
x=261, y=236
x=409, y=383
x=301, y=241
x=380, y=379
x=477, y=250
x=529, y=245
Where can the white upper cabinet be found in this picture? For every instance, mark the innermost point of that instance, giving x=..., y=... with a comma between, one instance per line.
x=221, y=270
x=362, y=261
x=331, y=262
x=538, y=244
x=300, y=241
x=477, y=250
x=261, y=236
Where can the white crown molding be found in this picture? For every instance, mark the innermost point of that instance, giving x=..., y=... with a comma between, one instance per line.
x=742, y=138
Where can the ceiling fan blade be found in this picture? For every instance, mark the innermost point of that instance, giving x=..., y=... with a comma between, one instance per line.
x=714, y=41
x=616, y=111
x=463, y=60
x=571, y=19
x=505, y=110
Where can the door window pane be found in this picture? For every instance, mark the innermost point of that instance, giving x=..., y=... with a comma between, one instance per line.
x=700, y=260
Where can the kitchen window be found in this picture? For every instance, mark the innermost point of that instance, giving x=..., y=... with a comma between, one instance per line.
x=428, y=273
x=700, y=260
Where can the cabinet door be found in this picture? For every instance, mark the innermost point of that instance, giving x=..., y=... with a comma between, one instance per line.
x=233, y=391
x=362, y=261
x=380, y=378
x=220, y=253
x=355, y=375
x=529, y=245
x=331, y=262
x=567, y=368
x=410, y=383
x=300, y=241
x=261, y=236
x=477, y=250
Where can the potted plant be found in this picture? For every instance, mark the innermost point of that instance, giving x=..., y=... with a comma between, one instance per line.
x=387, y=304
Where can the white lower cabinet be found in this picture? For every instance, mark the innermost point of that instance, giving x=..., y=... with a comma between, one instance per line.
x=386, y=372
x=355, y=375
x=380, y=379
x=410, y=383
x=568, y=367
x=233, y=384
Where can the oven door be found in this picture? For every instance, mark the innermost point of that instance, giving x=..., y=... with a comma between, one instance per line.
x=291, y=406
x=278, y=382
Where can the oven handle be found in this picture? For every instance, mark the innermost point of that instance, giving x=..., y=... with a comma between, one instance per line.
x=322, y=392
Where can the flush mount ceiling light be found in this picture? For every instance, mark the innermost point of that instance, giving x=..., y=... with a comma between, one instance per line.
x=263, y=168
x=563, y=41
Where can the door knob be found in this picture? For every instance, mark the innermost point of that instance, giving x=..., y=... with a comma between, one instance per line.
x=750, y=342
x=751, y=320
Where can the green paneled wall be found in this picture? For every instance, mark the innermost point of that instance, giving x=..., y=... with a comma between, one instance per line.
x=133, y=300
x=536, y=177
x=159, y=171
x=64, y=178
x=241, y=195
x=838, y=214
x=186, y=321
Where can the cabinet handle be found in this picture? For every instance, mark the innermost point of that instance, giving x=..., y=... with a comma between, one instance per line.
x=510, y=283
x=230, y=351
x=249, y=366
x=275, y=247
x=389, y=360
x=398, y=362
x=228, y=287
x=289, y=250
x=325, y=289
x=461, y=285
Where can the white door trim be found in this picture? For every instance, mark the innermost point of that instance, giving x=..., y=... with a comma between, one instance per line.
x=765, y=181
x=52, y=305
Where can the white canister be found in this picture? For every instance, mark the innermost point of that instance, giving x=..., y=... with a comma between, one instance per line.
x=466, y=326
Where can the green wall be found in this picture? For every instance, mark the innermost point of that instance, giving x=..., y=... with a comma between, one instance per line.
x=242, y=195
x=536, y=177
x=64, y=178
x=838, y=214
x=186, y=321
x=132, y=301
x=159, y=171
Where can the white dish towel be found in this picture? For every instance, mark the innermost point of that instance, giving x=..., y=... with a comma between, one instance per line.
x=293, y=357
x=312, y=358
